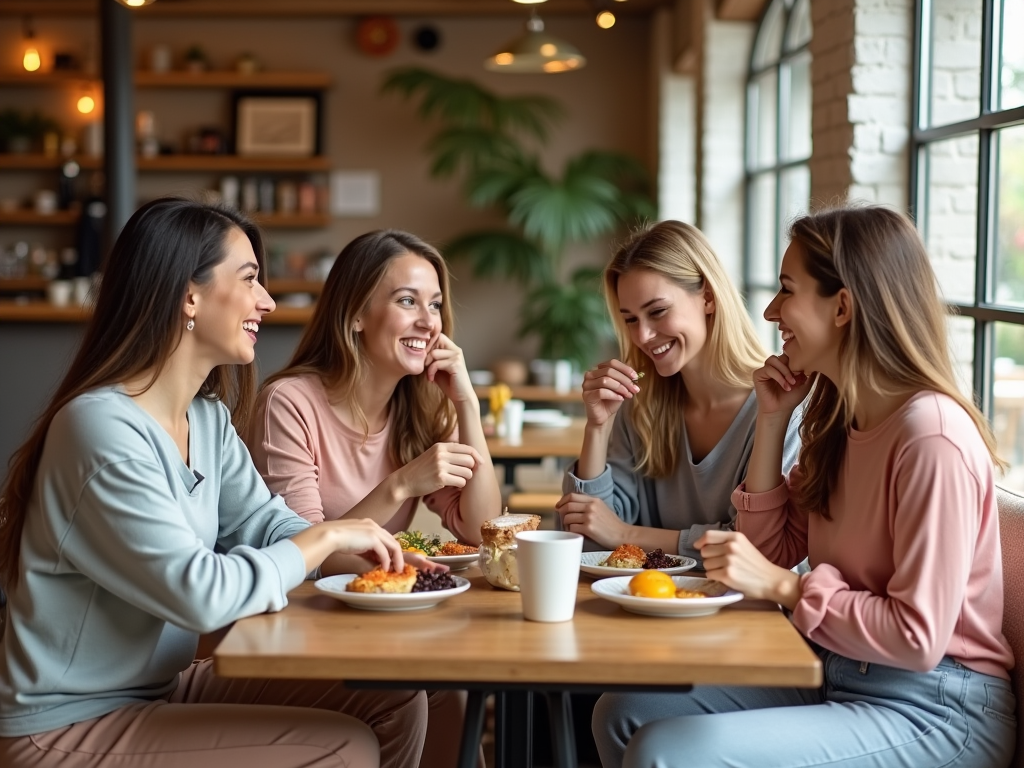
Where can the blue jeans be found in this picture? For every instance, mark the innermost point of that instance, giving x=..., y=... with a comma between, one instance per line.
x=864, y=715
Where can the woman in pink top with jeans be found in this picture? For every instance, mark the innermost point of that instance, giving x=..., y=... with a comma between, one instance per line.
x=893, y=502
x=375, y=411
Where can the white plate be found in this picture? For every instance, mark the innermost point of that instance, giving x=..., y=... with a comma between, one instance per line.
x=617, y=590
x=590, y=564
x=546, y=417
x=372, y=601
x=455, y=562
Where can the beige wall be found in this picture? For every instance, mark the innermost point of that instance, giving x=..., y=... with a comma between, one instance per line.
x=608, y=105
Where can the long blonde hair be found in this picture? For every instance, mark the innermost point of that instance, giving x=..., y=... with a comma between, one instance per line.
x=682, y=254
x=895, y=341
x=331, y=348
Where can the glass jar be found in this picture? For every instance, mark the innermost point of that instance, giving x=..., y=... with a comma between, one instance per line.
x=498, y=565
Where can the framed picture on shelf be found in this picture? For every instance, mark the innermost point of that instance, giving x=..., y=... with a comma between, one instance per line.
x=278, y=125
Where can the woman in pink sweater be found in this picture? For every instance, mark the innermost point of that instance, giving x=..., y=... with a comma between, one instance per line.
x=893, y=502
x=375, y=411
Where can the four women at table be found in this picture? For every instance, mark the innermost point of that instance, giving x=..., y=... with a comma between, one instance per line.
x=662, y=454
x=133, y=520
x=893, y=500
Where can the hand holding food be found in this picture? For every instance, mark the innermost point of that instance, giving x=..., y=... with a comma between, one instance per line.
x=441, y=465
x=606, y=387
x=446, y=367
x=730, y=558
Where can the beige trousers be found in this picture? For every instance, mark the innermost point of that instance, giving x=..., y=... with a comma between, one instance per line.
x=213, y=722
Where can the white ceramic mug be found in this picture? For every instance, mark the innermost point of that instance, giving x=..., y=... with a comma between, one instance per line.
x=549, y=573
x=59, y=292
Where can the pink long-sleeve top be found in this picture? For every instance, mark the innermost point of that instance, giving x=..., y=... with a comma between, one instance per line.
x=321, y=467
x=908, y=569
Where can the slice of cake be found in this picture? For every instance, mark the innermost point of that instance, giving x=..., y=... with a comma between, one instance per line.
x=379, y=580
x=626, y=556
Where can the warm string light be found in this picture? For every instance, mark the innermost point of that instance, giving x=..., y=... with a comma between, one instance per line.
x=31, y=60
x=86, y=104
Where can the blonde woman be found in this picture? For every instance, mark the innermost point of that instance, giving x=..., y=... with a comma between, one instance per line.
x=375, y=411
x=671, y=425
x=893, y=501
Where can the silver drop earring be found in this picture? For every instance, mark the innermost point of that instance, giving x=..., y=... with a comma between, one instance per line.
x=190, y=324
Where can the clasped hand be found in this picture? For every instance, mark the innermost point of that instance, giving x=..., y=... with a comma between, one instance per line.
x=584, y=514
x=441, y=465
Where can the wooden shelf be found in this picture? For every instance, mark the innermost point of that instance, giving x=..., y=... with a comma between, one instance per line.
x=44, y=312
x=229, y=79
x=55, y=78
x=292, y=221
x=17, y=284
x=33, y=162
x=532, y=394
x=233, y=163
x=28, y=217
x=288, y=285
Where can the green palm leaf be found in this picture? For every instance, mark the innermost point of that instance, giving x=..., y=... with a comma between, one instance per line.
x=556, y=213
x=469, y=148
x=570, y=320
x=501, y=254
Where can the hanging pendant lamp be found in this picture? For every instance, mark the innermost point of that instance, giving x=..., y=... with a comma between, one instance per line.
x=536, y=51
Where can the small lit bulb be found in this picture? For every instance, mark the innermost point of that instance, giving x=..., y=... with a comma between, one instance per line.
x=606, y=19
x=504, y=59
x=548, y=49
x=31, y=60
x=86, y=104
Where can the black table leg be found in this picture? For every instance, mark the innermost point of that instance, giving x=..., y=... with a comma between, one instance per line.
x=472, y=729
x=513, y=729
x=563, y=736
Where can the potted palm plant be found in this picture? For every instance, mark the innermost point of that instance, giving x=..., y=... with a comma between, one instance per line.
x=492, y=143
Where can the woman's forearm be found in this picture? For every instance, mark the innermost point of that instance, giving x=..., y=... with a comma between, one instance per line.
x=594, y=452
x=764, y=472
x=651, y=538
x=480, y=499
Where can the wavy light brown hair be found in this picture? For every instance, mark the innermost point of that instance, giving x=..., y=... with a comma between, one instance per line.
x=894, y=343
x=136, y=324
x=681, y=253
x=331, y=348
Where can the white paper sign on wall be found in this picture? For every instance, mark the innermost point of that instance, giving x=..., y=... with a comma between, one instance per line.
x=355, y=193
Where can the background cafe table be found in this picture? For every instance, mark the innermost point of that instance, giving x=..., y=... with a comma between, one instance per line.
x=479, y=641
x=536, y=442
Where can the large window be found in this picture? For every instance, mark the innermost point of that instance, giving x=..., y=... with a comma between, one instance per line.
x=968, y=195
x=778, y=148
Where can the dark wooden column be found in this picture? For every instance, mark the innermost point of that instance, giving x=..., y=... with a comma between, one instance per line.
x=118, y=114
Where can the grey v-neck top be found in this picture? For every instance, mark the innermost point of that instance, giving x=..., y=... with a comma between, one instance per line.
x=128, y=554
x=692, y=499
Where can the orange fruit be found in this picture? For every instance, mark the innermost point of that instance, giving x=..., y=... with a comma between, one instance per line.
x=652, y=584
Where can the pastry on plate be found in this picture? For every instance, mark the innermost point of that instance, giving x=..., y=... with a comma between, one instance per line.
x=381, y=581
x=626, y=556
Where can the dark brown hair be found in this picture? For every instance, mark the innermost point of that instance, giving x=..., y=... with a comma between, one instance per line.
x=331, y=348
x=895, y=341
x=136, y=324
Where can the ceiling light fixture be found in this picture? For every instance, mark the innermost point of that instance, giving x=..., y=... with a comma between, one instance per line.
x=31, y=59
x=536, y=51
x=136, y=3
x=606, y=19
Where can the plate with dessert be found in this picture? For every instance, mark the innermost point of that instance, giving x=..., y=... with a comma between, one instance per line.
x=654, y=593
x=379, y=590
x=630, y=558
x=456, y=556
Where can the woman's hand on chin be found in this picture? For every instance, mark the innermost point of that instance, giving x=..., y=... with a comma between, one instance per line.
x=446, y=367
x=780, y=389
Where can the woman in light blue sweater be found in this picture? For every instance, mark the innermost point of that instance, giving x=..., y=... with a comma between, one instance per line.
x=133, y=520
x=662, y=454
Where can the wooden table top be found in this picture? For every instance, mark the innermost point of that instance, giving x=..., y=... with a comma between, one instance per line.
x=537, y=442
x=480, y=636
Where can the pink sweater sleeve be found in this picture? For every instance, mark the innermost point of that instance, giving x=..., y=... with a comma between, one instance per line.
x=772, y=523
x=934, y=525
x=282, y=445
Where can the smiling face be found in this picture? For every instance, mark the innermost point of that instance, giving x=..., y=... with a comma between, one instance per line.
x=228, y=309
x=402, y=319
x=811, y=324
x=666, y=322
